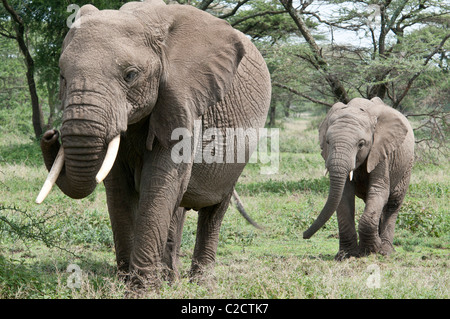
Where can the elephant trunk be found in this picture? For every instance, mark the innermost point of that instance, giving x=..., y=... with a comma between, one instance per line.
x=338, y=178
x=79, y=163
x=83, y=157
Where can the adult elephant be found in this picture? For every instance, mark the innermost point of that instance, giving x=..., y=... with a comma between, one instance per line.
x=368, y=149
x=135, y=75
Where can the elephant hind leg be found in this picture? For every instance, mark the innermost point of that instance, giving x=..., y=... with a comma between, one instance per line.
x=208, y=227
x=390, y=213
x=172, y=250
x=387, y=222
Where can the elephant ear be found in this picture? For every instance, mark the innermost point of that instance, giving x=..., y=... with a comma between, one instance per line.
x=324, y=127
x=322, y=131
x=390, y=132
x=201, y=54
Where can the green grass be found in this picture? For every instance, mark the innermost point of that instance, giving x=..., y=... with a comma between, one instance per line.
x=39, y=242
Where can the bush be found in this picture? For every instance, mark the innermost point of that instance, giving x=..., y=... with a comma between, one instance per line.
x=422, y=220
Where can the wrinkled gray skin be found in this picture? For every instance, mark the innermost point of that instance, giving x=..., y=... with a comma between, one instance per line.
x=376, y=142
x=141, y=72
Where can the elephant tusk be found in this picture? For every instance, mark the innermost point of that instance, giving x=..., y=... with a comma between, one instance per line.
x=351, y=175
x=110, y=157
x=325, y=172
x=52, y=176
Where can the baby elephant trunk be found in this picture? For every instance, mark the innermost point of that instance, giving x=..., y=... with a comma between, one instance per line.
x=337, y=183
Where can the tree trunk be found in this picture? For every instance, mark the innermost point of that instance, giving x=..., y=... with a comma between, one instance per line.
x=272, y=113
x=52, y=102
x=19, y=27
x=319, y=62
x=287, y=105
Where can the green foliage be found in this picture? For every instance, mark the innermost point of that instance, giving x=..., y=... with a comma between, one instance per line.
x=12, y=81
x=401, y=57
x=263, y=20
x=18, y=280
x=284, y=187
x=13, y=90
x=422, y=220
x=20, y=153
x=37, y=243
x=423, y=217
x=18, y=224
x=46, y=27
x=376, y=65
x=91, y=228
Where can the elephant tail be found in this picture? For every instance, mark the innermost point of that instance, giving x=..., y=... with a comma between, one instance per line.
x=241, y=210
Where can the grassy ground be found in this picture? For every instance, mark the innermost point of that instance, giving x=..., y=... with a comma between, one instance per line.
x=38, y=243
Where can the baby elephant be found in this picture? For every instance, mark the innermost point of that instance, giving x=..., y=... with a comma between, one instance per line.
x=368, y=149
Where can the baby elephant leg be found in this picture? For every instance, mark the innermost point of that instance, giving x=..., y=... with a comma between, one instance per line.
x=348, y=239
x=389, y=216
x=369, y=235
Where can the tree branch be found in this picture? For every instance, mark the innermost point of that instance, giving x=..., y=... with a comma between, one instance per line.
x=235, y=9
x=5, y=33
x=301, y=94
x=320, y=63
x=259, y=14
x=205, y=4
x=417, y=74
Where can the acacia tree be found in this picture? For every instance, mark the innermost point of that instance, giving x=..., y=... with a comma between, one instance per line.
x=39, y=28
x=404, y=39
x=393, y=58
x=19, y=35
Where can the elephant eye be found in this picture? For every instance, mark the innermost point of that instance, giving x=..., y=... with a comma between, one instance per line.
x=130, y=75
x=361, y=144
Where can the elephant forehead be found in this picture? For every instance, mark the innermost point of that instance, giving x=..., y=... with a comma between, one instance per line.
x=100, y=41
x=360, y=103
x=350, y=118
x=111, y=21
x=108, y=28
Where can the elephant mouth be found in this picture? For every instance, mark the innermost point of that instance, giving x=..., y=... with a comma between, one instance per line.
x=107, y=164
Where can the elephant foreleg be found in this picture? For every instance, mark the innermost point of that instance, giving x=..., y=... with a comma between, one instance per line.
x=376, y=199
x=122, y=202
x=348, y=239
x=162, y=186
x=208, y=227
x=369, y=237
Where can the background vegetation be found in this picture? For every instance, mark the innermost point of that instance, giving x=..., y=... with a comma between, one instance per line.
x=400, y=54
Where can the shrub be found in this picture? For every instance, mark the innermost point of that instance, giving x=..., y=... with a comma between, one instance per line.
x=422, y=220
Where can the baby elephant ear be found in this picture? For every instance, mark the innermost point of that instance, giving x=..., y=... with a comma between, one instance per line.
x=202, y=54
x=390, y=132
x=322, y=133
